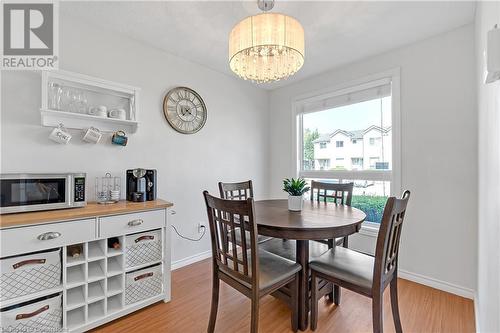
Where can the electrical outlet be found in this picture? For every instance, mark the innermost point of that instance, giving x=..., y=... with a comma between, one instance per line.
x=200, y=227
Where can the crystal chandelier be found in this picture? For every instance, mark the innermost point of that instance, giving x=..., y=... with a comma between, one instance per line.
x=266, y=47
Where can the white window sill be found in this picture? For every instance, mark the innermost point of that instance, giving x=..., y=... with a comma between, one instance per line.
x=369, y=229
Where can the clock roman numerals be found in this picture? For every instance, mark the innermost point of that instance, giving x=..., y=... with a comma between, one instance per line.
x=184, y=110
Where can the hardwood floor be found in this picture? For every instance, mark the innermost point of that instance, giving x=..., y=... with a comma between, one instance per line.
x=423, y=309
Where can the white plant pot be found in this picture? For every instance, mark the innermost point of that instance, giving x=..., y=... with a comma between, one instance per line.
x=295, y=203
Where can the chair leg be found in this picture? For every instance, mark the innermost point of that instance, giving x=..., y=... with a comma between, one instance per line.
x=254, y=325
x=295, y=303
x=378, y=325
x=336, y=294
x=314, y=301
x=394, y=305
x=215, y=303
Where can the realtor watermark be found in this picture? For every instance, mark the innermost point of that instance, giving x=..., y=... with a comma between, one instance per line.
x=30, y=35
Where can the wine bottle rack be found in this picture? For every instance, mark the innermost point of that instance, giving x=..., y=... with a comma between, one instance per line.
x=95, y=283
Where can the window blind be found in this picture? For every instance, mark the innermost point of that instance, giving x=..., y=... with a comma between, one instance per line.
x=366, y=92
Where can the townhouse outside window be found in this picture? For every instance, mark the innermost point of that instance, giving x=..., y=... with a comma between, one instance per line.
x=360, y=121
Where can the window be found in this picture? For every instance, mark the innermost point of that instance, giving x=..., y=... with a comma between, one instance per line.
x=357, y=162
x=323, y=164
x=322, y=145
x=363, y=114
x=376, y=141
x=381, y=165
x=373, y=162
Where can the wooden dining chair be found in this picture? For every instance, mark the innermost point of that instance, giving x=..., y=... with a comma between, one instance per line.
x=338, y=193
x=239, y=191
x=250, y=270
x=365, y=274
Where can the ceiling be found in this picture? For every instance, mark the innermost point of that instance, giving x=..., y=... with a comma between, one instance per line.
x=337, y=33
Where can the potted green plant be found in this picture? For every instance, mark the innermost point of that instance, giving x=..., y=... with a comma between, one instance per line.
x=295, y=189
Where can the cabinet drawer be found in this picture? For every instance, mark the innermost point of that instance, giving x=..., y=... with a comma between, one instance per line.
x=129, y=223
x=26, y=239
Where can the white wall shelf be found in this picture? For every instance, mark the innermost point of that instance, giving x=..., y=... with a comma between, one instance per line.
x=52, y=118
x=96, y=92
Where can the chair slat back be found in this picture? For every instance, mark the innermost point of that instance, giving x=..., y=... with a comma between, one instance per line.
x=340, y=193
x=226, y=218
x=389, y=235
x=236, y=191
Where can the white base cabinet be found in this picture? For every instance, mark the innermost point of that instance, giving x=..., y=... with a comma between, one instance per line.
x=102, y=283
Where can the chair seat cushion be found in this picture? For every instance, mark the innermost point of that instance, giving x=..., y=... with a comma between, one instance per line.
x=286, y=248
x=273, y=269
x=346, y=265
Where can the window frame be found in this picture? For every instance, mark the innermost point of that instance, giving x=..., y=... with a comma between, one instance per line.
x=393, y=176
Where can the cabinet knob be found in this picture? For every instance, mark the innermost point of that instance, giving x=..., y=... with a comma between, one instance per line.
x=173, y=212
x=49, y=235
x=135, y=223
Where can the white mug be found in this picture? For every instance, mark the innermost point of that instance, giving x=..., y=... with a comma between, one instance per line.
x=60, y=135
x=99, y=111
x=92, y=135
x=117, y=113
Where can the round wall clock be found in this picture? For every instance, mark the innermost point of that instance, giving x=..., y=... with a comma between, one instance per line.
x=184, y=110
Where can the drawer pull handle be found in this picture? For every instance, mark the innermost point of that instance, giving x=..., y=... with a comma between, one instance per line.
x=28, y=262
x=29, y=315
x=143, y=276
x=135, y=223
x=144, y=238
x=49, y=235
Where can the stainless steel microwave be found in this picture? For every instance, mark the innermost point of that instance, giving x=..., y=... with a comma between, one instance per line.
x=26, y=192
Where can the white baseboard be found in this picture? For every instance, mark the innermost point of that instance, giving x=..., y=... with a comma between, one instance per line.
x=476, y=312
x=190, y=260
x=437, y=284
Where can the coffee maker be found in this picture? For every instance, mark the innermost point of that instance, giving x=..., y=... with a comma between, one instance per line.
x=141, y=185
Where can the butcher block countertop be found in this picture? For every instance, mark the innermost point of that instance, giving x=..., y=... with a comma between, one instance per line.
x=92, y=210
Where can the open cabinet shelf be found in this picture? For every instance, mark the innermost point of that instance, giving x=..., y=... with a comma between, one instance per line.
x=95, y=291
x=67, y=98
x=75, y=297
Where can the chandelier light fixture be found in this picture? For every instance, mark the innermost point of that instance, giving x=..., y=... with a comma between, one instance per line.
x=266, y=47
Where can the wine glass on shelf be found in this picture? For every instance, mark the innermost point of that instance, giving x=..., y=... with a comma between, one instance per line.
x=81, y=102
x=73, y=100
x=55, y=92
x=66, y=99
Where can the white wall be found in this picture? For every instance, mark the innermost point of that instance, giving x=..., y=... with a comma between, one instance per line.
x=439, y=150
x=187, y=164
x=488, y=280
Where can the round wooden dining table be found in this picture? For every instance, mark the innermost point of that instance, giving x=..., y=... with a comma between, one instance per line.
x=317, y=220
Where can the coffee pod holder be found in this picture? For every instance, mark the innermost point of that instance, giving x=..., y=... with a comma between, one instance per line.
x=107, y=189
